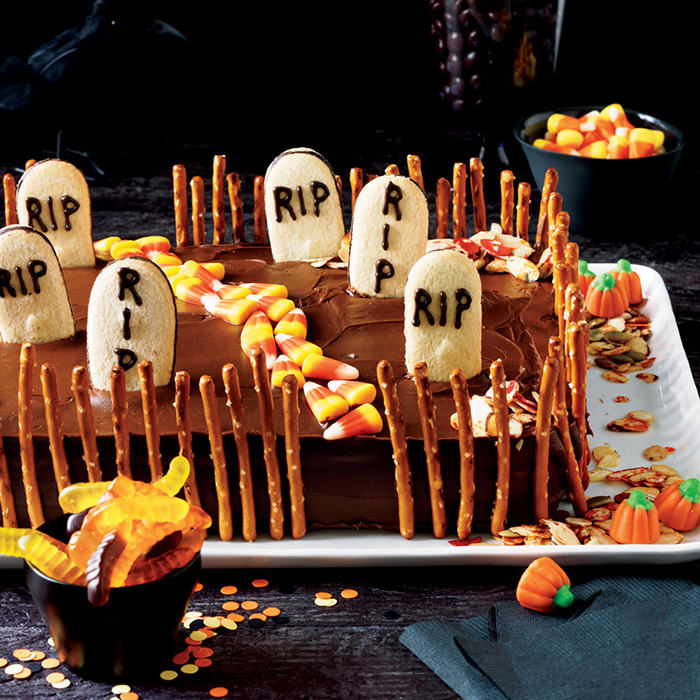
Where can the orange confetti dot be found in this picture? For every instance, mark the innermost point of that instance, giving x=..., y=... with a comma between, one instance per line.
x=198, y=587
x=258, y=616
x=261, y=583
x=38, y=655
x=55, y=677
x=51, y=662
x=22, y=654
x=203, y=663
x=249, y=605
x=229, y=590
x=231, y=605
x=218, y=692
x=271, y=612
x=236, y=617
x=189, y=640
x=202, y=652
x=129, y=696
x=24, y=673
x=3, y=662
x=349, y=593
x=324, y=595
x=181, y=658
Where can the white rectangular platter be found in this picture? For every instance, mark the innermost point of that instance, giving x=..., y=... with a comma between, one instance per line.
x=673, y=400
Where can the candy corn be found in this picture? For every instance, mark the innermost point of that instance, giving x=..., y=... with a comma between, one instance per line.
x=363, y=420
x=296, y=348
x=257, y=332
x=102, y=247
x=235, y=311
x=167, y=260
x=293, y=323
x=194, y=269
x=266, y=289
x=321, y=367
x=123, y=249
x=274, y=307
x=194, y=291
x=355, y=393
x=153, y=246
x=324, y=404
x=282, y=367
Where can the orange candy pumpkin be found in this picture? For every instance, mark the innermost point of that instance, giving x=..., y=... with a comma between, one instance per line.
x=605, y=297
x=678, y=505
x=585, y=277
x=544, y=586
x=628, y=279
x=635, y=521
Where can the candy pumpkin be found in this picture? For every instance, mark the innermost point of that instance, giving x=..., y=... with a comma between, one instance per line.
x=585, y=277
x=605, y=297
x=628, y=279
x=544, y=586
x=678, y=505
x=635, y=521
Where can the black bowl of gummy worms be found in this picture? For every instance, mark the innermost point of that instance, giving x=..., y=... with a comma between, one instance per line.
x=128, y=637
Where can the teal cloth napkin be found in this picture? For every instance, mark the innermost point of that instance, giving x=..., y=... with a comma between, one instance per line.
x=623, y=637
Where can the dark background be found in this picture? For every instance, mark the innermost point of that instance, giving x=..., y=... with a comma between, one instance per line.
x=250, y=79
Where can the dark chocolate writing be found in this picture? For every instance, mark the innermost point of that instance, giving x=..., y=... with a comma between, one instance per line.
x=282, y=197
x=385, y=237
x=126, y=323
x=36, y=269
x=422, y=300
x=383, y=270
x=34, y=210
x=127, y=358
x=320, y=193
x=128, y=279
x=392, y=196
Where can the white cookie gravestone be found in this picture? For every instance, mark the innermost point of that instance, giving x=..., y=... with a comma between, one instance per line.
x=34, y=304
x=131, y=318
x=302, y=207
x=442, y=318
x=389, y=234
x=53, y=197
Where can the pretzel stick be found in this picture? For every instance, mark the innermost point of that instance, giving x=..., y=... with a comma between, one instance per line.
x=500, y=411
x=184, y=433
x=86, y=423
x=197, y=189
x=554, y=205
x=7, y=499
x=397, y=431
x=259, y=221
x=150, y=418
x=355, y=186
x=120, y=421
x=217, y=197
x=571, y=256
x=54, y=426
x=392, y=169
x=415, y=171
x=10, y=188
x=551, y=179
x=240, y=435
x=290, y=406
x=460, y=393
x=269, y=437
x=426, y=410
x=233, y=182
x=442, y=207
x=574, y=314
x=218, y=458
x=559, y=277
x=561, y=419
x=476, y=179
x=579, y=363
x=522, y=211
x=182, y=236
x=543, y=426
x=459, y=200
x=507, y=202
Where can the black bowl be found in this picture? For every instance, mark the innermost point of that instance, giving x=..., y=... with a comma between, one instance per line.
x=601, y=195
x=130, y=637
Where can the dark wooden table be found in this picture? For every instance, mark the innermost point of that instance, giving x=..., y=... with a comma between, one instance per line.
x=350, y=650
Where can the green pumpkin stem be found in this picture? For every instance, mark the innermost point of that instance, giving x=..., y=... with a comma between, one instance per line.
x=563, y=597
x=690, y=489
x=584, y=270
x=624, y=265
x=604, y=282
x=638, y=499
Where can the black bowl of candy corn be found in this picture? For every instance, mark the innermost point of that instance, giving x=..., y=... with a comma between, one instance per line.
x=113, y=576
x=613, y=165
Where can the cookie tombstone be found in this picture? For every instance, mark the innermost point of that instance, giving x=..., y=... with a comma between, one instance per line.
x=389, y=234
x=442, y=321
x=53, y=197
x=131, y=318
x=303, y=209
x=34, y=304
